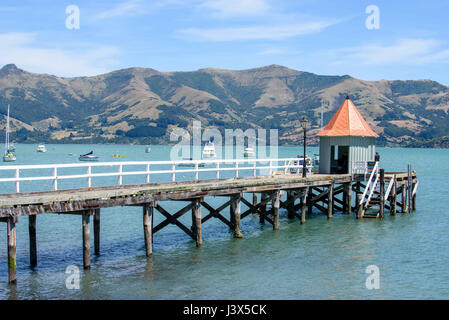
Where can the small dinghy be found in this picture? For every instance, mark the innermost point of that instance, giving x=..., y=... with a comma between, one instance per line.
x=88, y=157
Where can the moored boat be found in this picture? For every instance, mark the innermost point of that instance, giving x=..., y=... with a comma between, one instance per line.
x=209, y=150
x=248, y=152
x=88, y=157
x=41, y=148
x=9, y=155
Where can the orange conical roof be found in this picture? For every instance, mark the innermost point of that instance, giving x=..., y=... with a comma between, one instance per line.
x=347, y=122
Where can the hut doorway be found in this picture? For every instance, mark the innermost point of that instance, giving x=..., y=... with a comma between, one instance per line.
x=339, y=159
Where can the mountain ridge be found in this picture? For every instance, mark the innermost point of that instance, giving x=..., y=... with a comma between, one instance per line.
x=143, y=105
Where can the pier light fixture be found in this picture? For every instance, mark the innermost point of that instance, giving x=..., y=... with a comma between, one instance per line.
x=305, y=125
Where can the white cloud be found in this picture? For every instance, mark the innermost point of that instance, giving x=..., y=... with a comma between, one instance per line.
x=130, y=7
x=231, y=8
x=21, y=49
x=404, y=51
x=276, y=32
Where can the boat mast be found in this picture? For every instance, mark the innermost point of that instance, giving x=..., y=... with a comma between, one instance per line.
x=7, y=133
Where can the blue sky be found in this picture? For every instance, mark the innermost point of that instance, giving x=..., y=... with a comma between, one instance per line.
x=323, y=37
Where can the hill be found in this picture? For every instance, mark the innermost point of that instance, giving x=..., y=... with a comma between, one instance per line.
x=141, y=105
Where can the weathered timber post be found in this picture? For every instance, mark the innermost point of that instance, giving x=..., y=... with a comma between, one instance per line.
x=254, y=198
x=276, y=204
x=404, y=198
x=263, y=208
x=310, y=204
x=349, y=197
x=359, y=205
x=148, y=211
x=236, y=213
x=382, y=193
x=344, y=199
x=410, y=188
x=197, y=210
x=393, y=197
x=413, y=197
x=330, y=198
x=12, y=263
x=304, y=204
x=290, y=204
x=97, y=232
x=232, y=214
x=86, y=239
x=33, y=242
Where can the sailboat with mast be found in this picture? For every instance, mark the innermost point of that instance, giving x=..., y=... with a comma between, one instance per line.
x=9, y=155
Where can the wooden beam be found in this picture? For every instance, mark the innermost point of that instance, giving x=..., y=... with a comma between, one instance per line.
x=33, y=242
x=12, y=262
x=173, y=218
x=148, y=213
x=330, y=200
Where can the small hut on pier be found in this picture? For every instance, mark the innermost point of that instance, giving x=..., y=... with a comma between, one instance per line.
x=346, y=141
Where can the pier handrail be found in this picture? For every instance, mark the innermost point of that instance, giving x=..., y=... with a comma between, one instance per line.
x=257, y=164
x=390, y=187
x=368, y=185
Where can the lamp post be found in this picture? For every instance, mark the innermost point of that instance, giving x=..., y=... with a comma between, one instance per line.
x=304, y=125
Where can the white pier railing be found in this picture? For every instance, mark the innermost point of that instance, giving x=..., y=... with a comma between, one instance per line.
x=19, y=174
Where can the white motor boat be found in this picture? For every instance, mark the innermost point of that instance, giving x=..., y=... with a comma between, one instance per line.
x=248, y=152
x=209, y=150
x=88, y=157
x=41, y=148
x=9, y=155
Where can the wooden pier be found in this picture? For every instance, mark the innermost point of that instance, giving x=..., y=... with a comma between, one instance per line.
x=326, y=193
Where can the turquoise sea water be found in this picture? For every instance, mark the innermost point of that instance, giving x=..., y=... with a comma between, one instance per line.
x=319, y=260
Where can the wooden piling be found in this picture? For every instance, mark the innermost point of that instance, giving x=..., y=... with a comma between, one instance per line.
x=97, y=232
x=33, y=242
x=359, y=197
x=86, y=239
x=413, y=197
x=276, y=204
x=232, y=208
x=263, y=196
x=393, y=197
x=197, y=210
x=330, y=200
x=290, y=204
x=382, y=193
x=254, y=198
x=310, y=204
x=148, y=211
x=12, y=263
x=236, y=205
x=349, y=198
x=404, y=198
x=304, y=205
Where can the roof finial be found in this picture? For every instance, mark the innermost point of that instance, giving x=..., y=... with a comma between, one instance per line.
x=347, y=94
